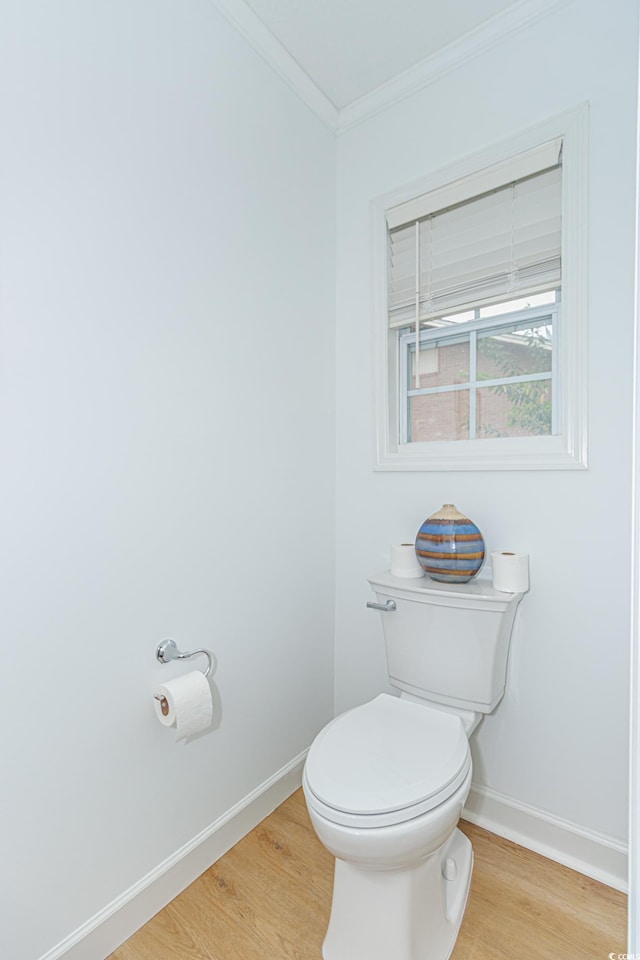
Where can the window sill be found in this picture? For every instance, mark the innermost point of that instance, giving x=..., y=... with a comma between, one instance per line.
x=518, y=453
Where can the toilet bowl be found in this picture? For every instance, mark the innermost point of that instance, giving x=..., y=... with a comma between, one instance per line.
x=385, y=785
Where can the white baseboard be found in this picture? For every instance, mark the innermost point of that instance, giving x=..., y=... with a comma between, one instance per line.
x=593, y=854
x=100, y=935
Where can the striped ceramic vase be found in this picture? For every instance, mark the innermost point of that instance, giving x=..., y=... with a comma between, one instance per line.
x=449, y=546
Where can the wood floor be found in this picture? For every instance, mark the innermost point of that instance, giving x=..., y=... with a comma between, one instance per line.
x=268, y=899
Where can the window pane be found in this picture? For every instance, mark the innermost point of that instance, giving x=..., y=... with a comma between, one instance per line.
x=524, y=303
x=514, y=353
x=439, y=416
x=461, y=317
x=441, y=366
x=514, y=410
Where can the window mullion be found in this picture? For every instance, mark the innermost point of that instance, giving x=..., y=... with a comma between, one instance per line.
x=496, y=382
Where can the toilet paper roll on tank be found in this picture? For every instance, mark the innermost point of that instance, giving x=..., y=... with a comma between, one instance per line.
x=510, y=571
x=404, y=562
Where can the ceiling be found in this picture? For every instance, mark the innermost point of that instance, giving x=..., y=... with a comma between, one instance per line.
x=351, y=47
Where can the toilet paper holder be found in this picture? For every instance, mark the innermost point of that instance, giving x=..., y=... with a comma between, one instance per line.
x=168, y=651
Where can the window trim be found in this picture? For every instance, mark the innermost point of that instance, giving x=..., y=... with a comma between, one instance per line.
x=564, y=451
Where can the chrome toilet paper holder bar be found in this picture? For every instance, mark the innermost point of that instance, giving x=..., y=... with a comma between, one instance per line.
x=168, y=651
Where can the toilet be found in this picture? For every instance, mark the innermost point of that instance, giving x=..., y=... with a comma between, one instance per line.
x=385, y=783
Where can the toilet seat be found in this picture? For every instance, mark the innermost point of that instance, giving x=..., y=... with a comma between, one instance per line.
x=386, y=762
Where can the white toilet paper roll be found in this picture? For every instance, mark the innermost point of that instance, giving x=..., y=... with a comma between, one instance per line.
x=404, y=562
x=510, y=571
x=188, y=704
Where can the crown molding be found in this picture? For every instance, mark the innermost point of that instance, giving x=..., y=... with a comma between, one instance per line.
x=248, y=25
x=500, y=28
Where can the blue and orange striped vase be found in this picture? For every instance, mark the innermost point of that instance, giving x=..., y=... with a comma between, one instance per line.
x=449, y=546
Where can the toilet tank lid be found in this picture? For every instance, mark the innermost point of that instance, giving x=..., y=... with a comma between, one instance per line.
x=386, y=755
x=478, y=593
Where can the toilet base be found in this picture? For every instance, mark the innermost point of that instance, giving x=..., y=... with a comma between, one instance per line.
x=413, y=913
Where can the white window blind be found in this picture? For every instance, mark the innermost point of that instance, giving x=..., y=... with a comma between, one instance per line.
x=499, y=237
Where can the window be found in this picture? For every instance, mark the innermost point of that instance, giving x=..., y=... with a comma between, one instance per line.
x=480, y=345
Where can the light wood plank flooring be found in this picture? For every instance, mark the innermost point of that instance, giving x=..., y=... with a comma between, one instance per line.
x=268, y=898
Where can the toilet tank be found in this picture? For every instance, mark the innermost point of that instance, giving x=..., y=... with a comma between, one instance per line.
x=447, y=643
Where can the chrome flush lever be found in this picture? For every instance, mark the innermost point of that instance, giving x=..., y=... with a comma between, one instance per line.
x=388, y=606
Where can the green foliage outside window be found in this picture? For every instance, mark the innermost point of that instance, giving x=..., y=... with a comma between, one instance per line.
x=529, y=402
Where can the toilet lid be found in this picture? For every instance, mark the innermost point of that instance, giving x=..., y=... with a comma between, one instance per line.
x=386, y=762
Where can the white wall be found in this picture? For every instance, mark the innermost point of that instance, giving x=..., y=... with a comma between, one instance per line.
x=558, y=740
x=167, y=242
